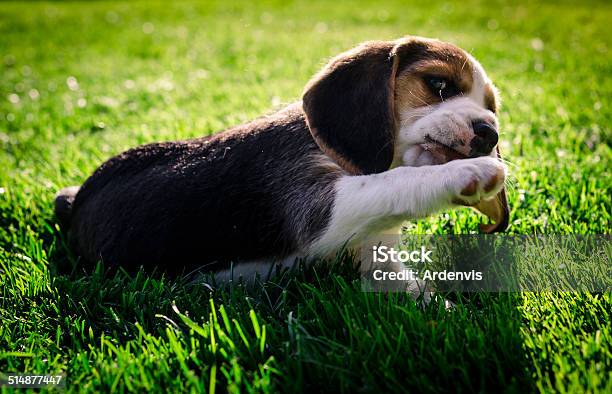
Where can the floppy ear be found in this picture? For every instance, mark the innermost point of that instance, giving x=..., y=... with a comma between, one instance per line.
x=349, y=107
x=496, y=209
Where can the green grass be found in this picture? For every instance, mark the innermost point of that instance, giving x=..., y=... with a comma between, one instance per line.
x=83, y=81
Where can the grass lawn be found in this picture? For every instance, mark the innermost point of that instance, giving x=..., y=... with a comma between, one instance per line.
x=83, y=81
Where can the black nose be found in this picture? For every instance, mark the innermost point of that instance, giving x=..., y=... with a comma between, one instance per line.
x=485, y=140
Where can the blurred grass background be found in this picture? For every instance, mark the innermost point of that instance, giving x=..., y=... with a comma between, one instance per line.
x=82, y=81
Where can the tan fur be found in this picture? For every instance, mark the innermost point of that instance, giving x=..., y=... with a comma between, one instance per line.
x=445, y=61
x=414, y=59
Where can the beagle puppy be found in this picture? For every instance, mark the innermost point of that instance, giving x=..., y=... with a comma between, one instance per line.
x=385, y=132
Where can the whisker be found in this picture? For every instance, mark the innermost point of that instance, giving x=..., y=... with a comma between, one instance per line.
x=464, y=63
x=509, y=163
x=419, y=98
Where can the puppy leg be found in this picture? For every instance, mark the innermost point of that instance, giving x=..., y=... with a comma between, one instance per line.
x=248, y=271
x=367, y=203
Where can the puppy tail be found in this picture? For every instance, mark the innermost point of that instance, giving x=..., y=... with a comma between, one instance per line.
x=63, y=205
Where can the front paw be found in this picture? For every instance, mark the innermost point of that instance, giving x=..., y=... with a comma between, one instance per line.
x=473, y=180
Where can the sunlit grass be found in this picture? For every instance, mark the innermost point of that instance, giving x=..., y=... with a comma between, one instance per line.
x=83, y=81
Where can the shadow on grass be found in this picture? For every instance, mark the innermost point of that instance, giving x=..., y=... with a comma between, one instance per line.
x=323, y=332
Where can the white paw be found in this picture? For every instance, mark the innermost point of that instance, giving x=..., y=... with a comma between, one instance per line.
x=473, y=180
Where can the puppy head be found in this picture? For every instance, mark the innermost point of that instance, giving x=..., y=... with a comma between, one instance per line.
x=413, y=101
x=445, y=104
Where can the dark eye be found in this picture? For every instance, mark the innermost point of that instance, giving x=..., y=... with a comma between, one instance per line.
x=441, y=87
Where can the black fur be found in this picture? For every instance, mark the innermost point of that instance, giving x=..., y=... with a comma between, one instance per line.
x=258, y=191
x=255, y=191
x=63, y=205
x=349, y=108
